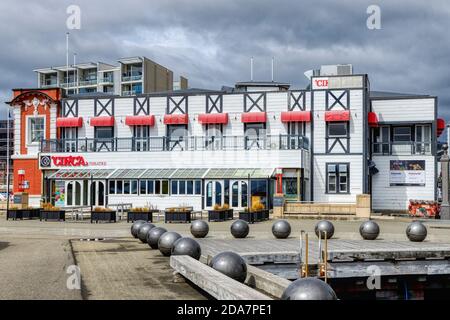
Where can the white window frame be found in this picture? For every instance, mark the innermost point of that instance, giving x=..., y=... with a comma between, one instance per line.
x=28, y=128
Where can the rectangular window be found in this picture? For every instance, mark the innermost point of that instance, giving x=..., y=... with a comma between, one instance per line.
x=150, y=187
x=143, y=187
x=337, y=129
x=174, y=189
x=119, y=187
x=182, y=186
x=134, y=186
x=126, y=187
x=36, y=129
x=190, y=187
x=402, y=134
x=157, y=187
x=338, y=178
x=112, y=187
x=165, y=187
x=198, y=187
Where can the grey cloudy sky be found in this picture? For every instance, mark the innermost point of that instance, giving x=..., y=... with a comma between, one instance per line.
x=211, y=41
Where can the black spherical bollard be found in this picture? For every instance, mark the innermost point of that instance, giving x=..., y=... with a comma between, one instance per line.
x=230, y=264
x=322, y=227
x=144, y=230
x=199, y=228
x=416, y=231
x=308, y=289
x=239, y=229
x=153, y=236
x=135, y=227
x=281, y=229
x=166, y=241
x=188, y=247
x=369, y=230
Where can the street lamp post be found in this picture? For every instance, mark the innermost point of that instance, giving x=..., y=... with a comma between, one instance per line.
x=8, y=178
x=445, y=207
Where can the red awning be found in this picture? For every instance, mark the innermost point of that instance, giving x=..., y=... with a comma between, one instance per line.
x=296, y=116
x=69, y=122
x=102, y=121
x=337, y=115
x=213, y=118
x=372, y=119
x=140, y=120
x=440, y=124
x=252, y=117
x=176, y=119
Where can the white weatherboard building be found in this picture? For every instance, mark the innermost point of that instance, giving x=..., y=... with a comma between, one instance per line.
x=328, y=143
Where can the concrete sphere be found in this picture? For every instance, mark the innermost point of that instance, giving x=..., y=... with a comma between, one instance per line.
x=153, y=236
x=239, y=229
x=199, y=228
x=135, y=227
x=308, y=289
x=323, y=226
x=281, y=229
x=143, y=231
x=230, y=264
x=188, y=247
x=416, y=231
x=369, y=230
x=166, y=241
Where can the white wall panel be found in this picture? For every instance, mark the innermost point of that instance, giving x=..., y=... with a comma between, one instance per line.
x=404, y=109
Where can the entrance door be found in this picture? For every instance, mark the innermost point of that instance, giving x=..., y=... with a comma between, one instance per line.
x=140, y=138
x=296, y=131
x=74, y=193
x=176, y=137
x=239, y=194
x=70, y=139
x=97, y=195
x=214, y=193
x=213, y=140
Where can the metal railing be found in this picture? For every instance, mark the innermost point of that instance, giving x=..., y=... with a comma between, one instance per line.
x=401, y=148
x=88, y=82
x=106, y=79
x=179, y=143
x=131, y=77
x=68, y=85
x=130, y=92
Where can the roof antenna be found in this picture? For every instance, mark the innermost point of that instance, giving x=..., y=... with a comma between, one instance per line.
x=272, y=67
x=251, y=69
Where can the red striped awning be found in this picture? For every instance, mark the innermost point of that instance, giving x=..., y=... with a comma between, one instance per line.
x=140, y=120
x=296, y=116
x=213, y=118
x=75, y=122
x=337, y=115
x=372, y=119
x=102, y=121
x=176, y=119
x=440, y=124
x=252, y=117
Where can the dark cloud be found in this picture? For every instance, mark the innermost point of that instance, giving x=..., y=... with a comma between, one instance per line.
x=211, y=42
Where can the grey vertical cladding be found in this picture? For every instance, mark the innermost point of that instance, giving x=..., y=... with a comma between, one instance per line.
x=70, y=108
x=297, y=100
x=214, y=103
x=334, y=98
x=173, y=105
x=104, y=107
x=258, y=103
x=141, y=106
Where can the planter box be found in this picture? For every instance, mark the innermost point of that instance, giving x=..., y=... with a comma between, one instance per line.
x=140, y=215
x=109, y=216
x=254, y=216
x=220, y=215
x=174, y=216
x=28, y=213
x=53, y=215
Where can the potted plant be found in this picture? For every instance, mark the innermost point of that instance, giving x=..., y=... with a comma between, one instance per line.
x=220, y=213
x=14, y=212
x=103, y=214
x=256, y=213
x=51, y=212
x=141, y=213
x=178, y=214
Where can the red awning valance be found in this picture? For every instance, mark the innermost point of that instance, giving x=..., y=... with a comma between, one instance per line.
x=440, y=124
x=69, y=122
x=337, y=115
x=102, y=121
x=213, y=118
x=176, y=119
x=252, y=117
x=372, y=119
x=140, y=120
x=296, y=116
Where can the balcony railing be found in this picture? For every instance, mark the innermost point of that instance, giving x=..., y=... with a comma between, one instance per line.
x=191, y=143
x=131, y=77
x=401, y=148
x=130, y=92
x=88, y=82
x=68, y=85
x=106, y=79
